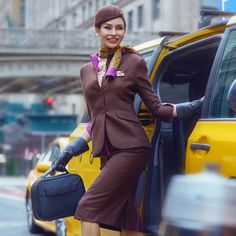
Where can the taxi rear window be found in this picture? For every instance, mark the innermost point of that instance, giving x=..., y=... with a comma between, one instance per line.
x=147, y=55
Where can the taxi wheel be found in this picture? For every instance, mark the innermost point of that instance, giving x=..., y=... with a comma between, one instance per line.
x=61, y=227
x=32, y=227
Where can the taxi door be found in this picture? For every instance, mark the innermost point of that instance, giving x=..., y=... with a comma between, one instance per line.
x=214, y=136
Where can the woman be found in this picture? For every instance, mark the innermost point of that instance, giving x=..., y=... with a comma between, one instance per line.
x=110, y=82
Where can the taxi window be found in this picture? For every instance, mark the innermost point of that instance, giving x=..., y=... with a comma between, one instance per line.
x=147, y=55
x=50, y=154
x=224, y=78
x=185, y=71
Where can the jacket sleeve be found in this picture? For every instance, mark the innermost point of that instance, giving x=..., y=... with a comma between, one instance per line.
x=160, y=110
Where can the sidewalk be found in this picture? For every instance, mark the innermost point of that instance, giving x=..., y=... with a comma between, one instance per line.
x=12, y=181
x=13, y=187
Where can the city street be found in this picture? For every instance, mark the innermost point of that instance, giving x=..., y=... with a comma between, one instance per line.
x=12, y=207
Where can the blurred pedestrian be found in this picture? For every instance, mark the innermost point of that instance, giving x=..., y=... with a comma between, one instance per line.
x=109, y=82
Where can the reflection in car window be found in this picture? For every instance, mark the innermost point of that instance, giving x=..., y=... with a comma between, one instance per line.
x=226, y=75
x=46, y=156
x=50, y=154
x=147, y=55
x=55, y=153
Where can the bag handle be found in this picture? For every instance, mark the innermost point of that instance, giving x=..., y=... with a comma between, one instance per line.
x=50, y=171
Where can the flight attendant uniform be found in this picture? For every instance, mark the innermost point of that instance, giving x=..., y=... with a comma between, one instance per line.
x=118, y=136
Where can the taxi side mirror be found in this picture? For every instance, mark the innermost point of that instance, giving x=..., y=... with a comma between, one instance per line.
x=43, y=166
x=231, y=96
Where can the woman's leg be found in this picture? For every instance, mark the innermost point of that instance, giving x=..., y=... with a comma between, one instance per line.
x=132, y=233
x=90, y=229
x=114, y=188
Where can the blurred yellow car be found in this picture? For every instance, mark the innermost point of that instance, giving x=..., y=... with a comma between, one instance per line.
x=42, y=165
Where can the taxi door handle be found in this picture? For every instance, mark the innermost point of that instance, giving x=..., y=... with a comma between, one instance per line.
x=200, y=146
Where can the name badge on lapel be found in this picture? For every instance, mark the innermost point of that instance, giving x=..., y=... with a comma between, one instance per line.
x=120, y=73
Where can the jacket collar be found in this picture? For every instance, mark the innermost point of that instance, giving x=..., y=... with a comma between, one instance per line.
x=111, y=71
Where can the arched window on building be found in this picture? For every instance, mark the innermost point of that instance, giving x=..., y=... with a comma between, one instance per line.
x=130, y=20
x=155, y=9
x=140, y=16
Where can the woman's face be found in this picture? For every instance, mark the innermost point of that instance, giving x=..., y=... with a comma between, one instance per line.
x=111, y=33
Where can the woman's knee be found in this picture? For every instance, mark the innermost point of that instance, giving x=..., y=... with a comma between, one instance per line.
x=90, y=228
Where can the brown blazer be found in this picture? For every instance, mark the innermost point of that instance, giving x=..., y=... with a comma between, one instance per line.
x=111, y=105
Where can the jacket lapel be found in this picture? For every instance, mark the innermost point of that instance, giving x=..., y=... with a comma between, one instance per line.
x=95, y=61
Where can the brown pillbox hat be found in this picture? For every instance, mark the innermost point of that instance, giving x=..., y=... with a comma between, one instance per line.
x=107, y=13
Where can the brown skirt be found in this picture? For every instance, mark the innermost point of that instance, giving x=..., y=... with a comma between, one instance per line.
x=110, y=201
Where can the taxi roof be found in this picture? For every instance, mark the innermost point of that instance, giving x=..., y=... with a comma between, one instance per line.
x=232, y=21
x=149, y=44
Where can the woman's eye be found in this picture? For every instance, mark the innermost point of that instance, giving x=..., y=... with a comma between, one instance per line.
x=107, y=27
x=119, y=28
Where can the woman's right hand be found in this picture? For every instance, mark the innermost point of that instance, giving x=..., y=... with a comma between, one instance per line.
x=61, y=161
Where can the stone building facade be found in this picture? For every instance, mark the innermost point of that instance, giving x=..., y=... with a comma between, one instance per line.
x=145, y=18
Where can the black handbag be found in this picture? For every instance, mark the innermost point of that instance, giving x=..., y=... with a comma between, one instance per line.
x=57, y=196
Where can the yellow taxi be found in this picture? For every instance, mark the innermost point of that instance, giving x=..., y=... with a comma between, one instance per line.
x=181, y=68
x=42, y=165
x=213, y=138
